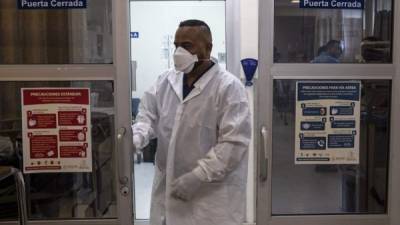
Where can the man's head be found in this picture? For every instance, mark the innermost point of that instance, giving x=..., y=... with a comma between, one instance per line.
x=195, y=37
x=334, y=48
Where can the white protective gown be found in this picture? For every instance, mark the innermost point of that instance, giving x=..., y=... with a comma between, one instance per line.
x=208, y=133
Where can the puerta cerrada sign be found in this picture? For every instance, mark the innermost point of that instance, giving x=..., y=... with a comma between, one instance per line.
x=332, y=4
x=52, y=4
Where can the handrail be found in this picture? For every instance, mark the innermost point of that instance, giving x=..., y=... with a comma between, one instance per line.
x=7, y=171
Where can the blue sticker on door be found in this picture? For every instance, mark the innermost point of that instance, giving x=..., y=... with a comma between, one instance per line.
x=52, y=4
x=332, y=4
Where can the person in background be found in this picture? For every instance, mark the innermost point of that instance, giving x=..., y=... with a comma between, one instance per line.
x=200, y=115
x=329, y=53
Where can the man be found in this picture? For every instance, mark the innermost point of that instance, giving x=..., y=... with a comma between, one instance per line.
x=329, y=53
x=200, y=115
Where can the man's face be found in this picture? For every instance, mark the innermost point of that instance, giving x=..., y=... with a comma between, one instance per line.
x=193, y=40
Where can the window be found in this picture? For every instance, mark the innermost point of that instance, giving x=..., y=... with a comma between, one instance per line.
x=60, y=195
x=56, y=36
x=322, y=35
x=332, y=189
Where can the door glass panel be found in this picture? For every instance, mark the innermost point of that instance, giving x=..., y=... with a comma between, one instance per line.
x=152, y=51
x=60, y=195
x=312, y=35
x=56, y=36
x=332, y=189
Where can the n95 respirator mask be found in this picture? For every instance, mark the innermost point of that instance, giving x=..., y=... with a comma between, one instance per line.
x=184, y=61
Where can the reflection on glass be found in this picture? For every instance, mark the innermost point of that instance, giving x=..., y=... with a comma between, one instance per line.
x=301, y=34
x=332, y=189
x=56, y=36
x=60, y=195
x=329, y=53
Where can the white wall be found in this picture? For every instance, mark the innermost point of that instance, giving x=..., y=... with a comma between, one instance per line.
x=156, y=22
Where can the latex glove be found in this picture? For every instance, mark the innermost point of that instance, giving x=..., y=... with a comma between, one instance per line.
x=137, y=142
x=186, y=186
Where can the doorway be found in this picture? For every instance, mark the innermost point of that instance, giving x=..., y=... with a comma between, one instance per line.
x=152, y=48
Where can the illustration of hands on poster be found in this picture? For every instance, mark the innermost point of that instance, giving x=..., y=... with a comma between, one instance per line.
x=56, y=130
x=327, y=122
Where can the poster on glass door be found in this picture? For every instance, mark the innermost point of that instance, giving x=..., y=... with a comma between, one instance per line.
x=56, y=130
x=327, y=122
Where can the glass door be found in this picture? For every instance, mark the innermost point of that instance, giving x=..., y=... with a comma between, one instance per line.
x=314, y=169
x=61, y=49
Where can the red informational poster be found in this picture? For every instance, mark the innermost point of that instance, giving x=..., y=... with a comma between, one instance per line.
x=56, y=130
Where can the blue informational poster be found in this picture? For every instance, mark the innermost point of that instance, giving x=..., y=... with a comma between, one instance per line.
x=52, y=4
x=332, y=4
x=327, y=122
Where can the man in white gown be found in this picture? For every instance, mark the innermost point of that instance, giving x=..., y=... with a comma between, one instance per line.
x=200, y=115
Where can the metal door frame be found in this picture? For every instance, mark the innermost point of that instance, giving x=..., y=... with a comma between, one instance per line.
x=268, y=71
x=119, y=73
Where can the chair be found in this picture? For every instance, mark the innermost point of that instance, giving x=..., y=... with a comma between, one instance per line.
x=5, y=172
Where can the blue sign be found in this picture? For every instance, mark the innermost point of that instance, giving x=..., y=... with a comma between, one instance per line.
x=332, y=4
x=313, y=143
x=343, y=124
x=314, y=111
x=249, y=67
x=319, y=159
x=328, y=90
x=340, y=141
x=135, y=34
x=342, y=110
x=327, y=122
x=312, y=126
x=52, y=4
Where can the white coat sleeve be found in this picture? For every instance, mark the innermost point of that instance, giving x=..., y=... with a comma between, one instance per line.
x=234, y=133
x=143, y=128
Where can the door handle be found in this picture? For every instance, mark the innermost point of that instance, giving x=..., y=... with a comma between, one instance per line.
x=133, y=75
x=123, y=179
x=264, y=159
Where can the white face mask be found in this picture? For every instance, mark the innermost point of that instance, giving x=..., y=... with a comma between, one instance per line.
x=184, y=61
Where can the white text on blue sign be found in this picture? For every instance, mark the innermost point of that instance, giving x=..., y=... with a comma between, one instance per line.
x=135, y=34
x=52, y=4
x=332, y=4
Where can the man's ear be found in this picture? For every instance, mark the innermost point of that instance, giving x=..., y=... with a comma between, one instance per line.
x=209, y=47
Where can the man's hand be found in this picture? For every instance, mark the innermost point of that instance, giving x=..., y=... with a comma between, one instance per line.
x=137, y=142
x=186, y=186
